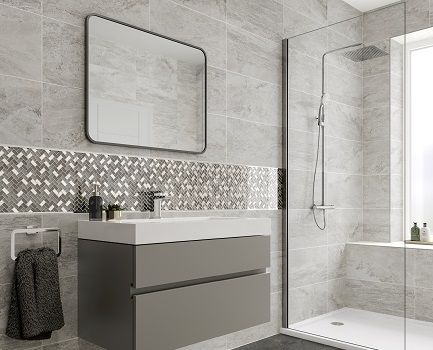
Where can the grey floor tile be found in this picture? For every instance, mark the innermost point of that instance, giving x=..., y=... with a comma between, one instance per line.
x=283, y=342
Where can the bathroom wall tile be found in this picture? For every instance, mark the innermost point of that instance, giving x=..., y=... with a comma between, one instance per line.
x=312, y=44
x=301, y=189
x=305, y=73
x=338, y=10
x=397, y=191
x=295, y=23
x=63, y=119
x=213, y=8
x=424, y=304
x=344, y=156
x=302, y=150
x=261, y=18
x=397, y=225
x=376, y=123
x=351, y=29
x=376, y=191
x=344, y=225
x=253, y=100
x=345, y=191
x=377, y=225
x=303, y=232
x=423, y=273
x=20, y=115
x=20, y=51
x=63, y=58
x=308, y=301
x=253, y=144
x=314, y=9
x=336, y=289
x=377, y=157
x=216, y=140
x=276, y=272
x=383, y=24
x=376, y=66
x=336, y=261
x=307, y=266
x=303, y=109
x=74, y=12
x=397, y=121
x=346, y=121
x=216, y=91
x=69, y=295
x=379, y=297
x=5, y=292
x=344, y=87
x=375, y=263
x=253, y=56
x=191, y=27
x=26, y=5
x=417, y=15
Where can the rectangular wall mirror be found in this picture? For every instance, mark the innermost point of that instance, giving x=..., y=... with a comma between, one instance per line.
x=144, y=89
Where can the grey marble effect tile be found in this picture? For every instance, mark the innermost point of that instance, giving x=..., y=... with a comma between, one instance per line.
x=376, y=264
x=216, y=91
x=132, y=12
x=344, y=87
x=296, y=23
x=261, y=18
x=379, y=297
x=20, y=114
x=337, y=41
x=376, y=91
x=424, y=304
x=376, y=123
x=344, y=190
x=276, y=272
x=303, y=233
x=253, y=144
x=63, y=54
x=300, y=189
x=338, y=10
x=376, y=191
x=336, y=289
x=397, y=191
x=345, y=225
x=63, y=119
x=308, y=266
x=350, y=28
x=212, y=344
x=377, y=157
x=308, y=301
x=253, y=56
x=191, y=27
x=314, y=9
x=376, y=66
x=423, y=275
x=302, y=150
x=212, y=8
x=26, y=5
x=5, y=293
x=305, y=73
x=7, y=343
x=20, y=51
x=346, y=121
x=312, y=44
x=253, y=100
x=303, y=109
x=344, y=156
x=417, y=15
x=384, y=23
x=336, y=261
x=376, y=225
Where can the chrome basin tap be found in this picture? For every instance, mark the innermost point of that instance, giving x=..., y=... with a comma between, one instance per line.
x=152, y=203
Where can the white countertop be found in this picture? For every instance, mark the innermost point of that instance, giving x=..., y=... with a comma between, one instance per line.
x=151, y=231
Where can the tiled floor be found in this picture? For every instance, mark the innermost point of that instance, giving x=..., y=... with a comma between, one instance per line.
x=284, y=342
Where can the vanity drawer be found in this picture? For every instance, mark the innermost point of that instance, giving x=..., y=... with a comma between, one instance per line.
x=168, y=263
x=175, y=318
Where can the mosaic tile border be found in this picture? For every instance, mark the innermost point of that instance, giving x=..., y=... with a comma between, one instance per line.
x=41, y=180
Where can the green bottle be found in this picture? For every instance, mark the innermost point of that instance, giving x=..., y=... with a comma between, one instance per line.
x=414, y=232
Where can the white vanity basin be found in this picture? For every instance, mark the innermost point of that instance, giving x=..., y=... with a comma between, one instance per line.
x=149, y=231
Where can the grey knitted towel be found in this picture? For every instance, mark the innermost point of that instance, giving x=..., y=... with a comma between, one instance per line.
x=36, y=308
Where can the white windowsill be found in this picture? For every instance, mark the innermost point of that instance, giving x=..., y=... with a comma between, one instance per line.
x=399, y=244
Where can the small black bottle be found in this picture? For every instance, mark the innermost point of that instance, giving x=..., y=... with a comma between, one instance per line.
x=95, y=205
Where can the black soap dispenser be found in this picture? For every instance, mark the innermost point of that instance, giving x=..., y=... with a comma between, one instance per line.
x=95, y=205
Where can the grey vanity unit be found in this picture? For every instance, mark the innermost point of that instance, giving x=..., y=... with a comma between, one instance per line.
x=164, y=284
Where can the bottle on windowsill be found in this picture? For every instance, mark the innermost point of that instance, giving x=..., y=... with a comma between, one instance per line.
x=415, y=232
x=425, y=234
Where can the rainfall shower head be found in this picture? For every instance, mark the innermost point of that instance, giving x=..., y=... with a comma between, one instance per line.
x=364, y=53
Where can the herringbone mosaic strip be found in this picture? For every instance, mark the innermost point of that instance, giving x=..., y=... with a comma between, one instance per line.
x=40, y=180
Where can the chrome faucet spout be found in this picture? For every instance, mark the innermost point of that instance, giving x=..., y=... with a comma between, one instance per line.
x=152, y=203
